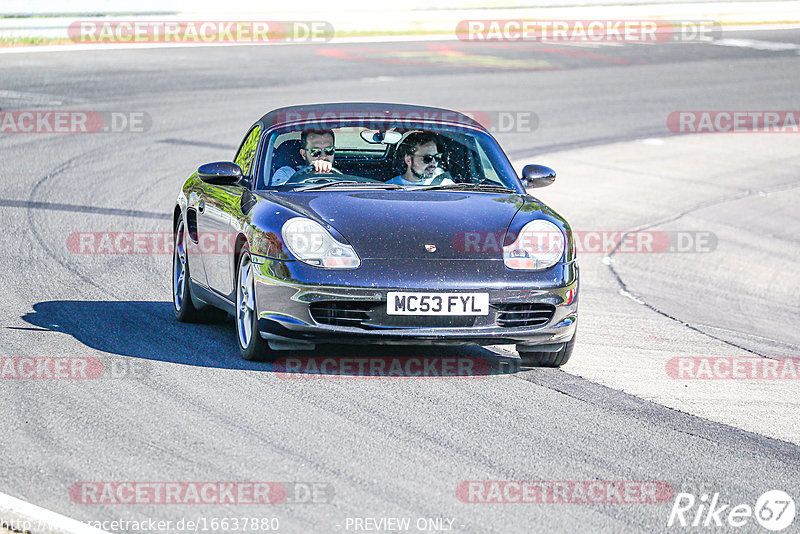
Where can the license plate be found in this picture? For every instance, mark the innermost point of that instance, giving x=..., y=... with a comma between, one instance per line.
x=403, y=303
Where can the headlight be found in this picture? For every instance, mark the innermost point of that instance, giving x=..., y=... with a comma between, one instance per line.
x=539, y=245
x=310, y=243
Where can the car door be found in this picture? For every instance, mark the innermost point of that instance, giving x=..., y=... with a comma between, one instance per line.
x=217, y=208
x=197, y=270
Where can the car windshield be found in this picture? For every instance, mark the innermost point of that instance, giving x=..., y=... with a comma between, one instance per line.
x=384, y=156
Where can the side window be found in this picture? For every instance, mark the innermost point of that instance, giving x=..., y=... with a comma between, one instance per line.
x=244, y=158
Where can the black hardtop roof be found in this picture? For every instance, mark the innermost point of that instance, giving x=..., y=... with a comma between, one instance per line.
x=362, y=110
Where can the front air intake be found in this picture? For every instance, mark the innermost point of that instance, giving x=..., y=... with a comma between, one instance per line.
x=341, y=312
x=523, y=314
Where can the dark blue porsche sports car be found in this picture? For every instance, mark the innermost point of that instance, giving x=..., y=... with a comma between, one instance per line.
x=375, y=223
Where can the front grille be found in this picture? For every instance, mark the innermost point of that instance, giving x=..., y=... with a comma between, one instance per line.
x=341, y=312
x=372, y=314
x=523, y=314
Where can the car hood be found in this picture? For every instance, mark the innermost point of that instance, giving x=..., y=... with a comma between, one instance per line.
x=404, y=224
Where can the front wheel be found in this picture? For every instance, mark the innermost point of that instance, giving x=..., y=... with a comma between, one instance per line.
x=251, y=345
x=531, y=358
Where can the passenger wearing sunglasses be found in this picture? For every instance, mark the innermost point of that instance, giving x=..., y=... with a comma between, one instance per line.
x=422, y=158
x=317, y=150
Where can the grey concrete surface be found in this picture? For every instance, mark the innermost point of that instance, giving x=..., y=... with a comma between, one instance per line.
x=737, y=299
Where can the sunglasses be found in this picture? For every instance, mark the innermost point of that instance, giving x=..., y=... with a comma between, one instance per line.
x=430, y=158
x=316, y=152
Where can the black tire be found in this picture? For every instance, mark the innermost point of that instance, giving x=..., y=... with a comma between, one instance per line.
x=256, y=347
x=546, y=359
x=182, y=304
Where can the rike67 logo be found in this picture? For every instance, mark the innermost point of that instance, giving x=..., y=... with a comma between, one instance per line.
x=774, y=510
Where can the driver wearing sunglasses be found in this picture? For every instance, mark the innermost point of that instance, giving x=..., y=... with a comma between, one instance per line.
x=422, y=158
x=317, y=150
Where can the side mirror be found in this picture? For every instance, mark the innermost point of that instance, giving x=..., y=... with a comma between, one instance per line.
x=220, y=173
x=537, y=176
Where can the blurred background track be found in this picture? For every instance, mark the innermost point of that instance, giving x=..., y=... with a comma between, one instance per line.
x=401, y=447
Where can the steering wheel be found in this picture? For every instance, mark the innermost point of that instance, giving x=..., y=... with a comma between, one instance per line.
x=308, y=169
x=442, y=176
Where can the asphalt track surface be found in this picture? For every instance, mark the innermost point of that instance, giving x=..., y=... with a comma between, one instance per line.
x=380, y=447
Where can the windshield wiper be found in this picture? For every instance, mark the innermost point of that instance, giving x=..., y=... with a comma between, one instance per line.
x=465, y=185
x=349, y=183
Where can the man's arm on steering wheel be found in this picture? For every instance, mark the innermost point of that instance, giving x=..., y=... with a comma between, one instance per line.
x=322, y=165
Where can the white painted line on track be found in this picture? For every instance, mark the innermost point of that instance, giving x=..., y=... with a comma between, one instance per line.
x=17, y=513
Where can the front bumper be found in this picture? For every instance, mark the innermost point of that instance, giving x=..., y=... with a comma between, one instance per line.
x=287, y=291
